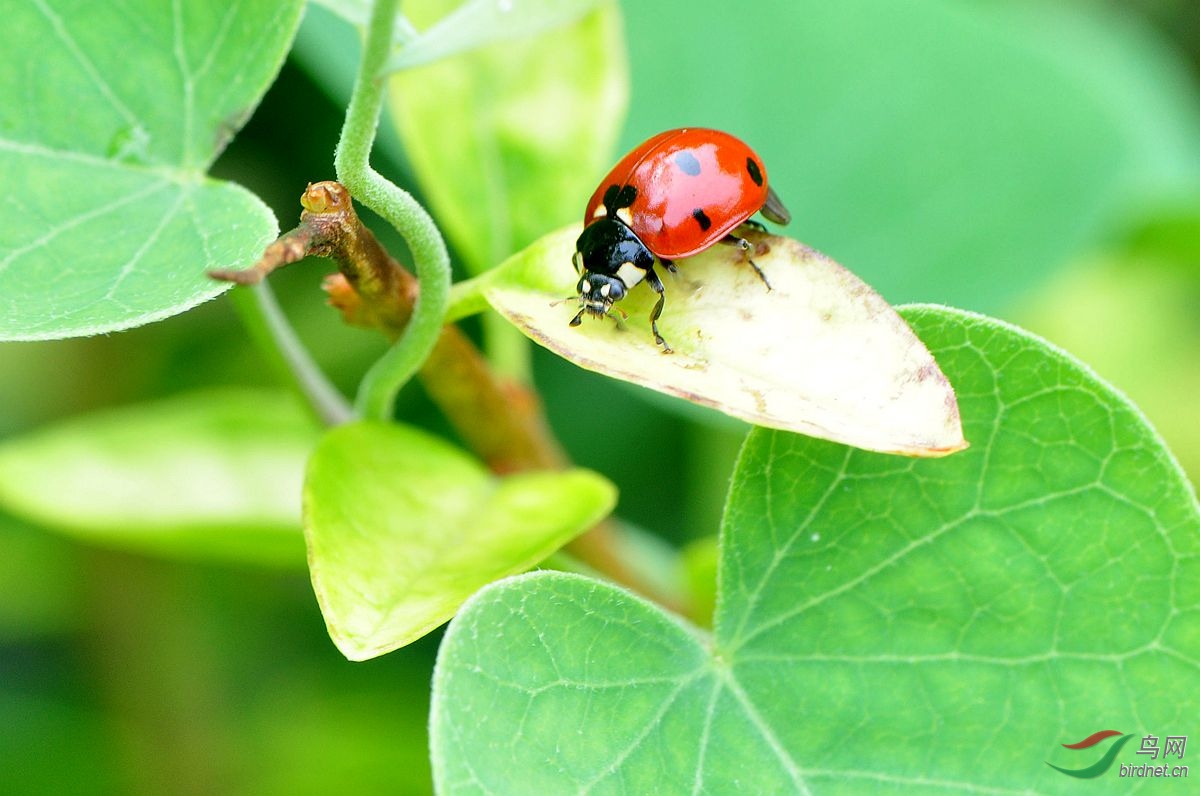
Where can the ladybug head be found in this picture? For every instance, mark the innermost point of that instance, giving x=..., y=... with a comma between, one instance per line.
x=597, y=293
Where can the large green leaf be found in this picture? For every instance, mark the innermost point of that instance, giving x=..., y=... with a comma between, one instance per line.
x=945, y=151
x=508, y=140
x=882, y=624
x=109, y=115
x=208, y=475
x=402, y=527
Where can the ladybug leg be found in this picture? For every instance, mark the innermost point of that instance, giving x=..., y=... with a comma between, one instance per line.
x=669, y=265
x=656, y=283
x=747, y=247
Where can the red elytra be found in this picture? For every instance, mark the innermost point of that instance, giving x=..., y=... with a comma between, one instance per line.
x=694, y=186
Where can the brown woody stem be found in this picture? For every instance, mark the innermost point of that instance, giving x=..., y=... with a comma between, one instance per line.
x=500, y=419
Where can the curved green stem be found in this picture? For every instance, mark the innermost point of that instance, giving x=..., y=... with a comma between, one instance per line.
x=377, y=392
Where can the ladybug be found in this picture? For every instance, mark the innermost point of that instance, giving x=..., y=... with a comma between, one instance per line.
x=673, y=196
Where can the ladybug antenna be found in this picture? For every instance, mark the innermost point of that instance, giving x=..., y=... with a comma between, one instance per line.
x=564, y=300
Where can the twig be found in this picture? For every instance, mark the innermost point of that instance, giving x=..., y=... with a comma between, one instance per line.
x=499, y=419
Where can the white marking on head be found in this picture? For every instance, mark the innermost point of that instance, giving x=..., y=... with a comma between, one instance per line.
x=625, y=215
x=630, y=274
x=605, y=289
x=585, y=286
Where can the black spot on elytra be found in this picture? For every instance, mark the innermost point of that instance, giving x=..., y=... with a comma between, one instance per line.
x=755, y=171
x=617, y=197
x=701, y=219
x=687, y=162
x=610, y=197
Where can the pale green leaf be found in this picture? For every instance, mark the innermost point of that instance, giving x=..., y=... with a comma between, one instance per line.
x=475, y=23
x=509, y=140
x=109, y=115
x=882, y=625
x=819, y=353
x=402, y=527
x=208, y=475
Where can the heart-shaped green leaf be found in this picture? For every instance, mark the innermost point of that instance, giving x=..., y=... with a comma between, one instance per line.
x=109, y=115
x=402, y=527
x=208, y=475
x=819, y=352
x=882, y=624
x=509, y=140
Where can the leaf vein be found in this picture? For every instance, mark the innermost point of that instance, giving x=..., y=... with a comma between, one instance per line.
x=82, y=218
x=781, y=554
x=636, y=741
x=768, y=734
x=89, y=68
x=129, y=267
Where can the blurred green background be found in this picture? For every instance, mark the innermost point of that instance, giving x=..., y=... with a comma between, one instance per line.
x=1036, y=161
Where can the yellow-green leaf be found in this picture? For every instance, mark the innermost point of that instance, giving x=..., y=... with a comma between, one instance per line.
x=402, y=527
